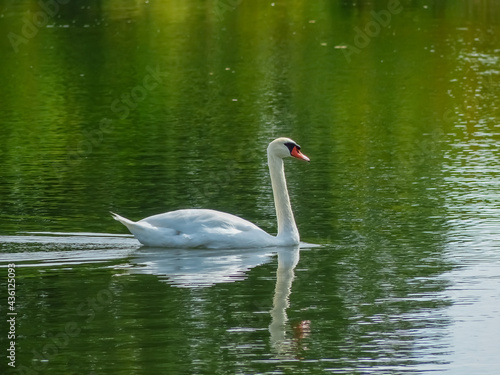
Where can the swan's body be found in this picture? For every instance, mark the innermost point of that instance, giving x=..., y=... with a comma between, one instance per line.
x=197, y=228
x=192, y=228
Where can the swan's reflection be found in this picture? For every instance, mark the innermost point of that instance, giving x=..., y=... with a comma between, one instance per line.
x=283, y=346
x=192, y=268
x=203, y=268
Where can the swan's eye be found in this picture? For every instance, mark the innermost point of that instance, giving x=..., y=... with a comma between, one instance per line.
x=291, y=146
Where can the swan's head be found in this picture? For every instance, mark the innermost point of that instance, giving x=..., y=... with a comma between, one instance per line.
x=285, y=147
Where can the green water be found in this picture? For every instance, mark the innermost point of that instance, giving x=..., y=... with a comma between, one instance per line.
x=145, y=107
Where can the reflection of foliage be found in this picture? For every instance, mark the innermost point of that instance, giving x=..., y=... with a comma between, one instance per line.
x=394, y=105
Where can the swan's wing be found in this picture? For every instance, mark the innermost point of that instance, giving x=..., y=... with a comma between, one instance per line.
x=197, y=228
x=193, y=221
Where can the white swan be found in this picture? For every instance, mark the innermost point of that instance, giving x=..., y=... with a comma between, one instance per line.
x=193, y=228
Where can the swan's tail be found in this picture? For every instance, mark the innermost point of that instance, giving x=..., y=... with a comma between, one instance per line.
x=128, y=223
x=142, y=231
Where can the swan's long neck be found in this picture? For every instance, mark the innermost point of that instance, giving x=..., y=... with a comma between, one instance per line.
x=287, y=229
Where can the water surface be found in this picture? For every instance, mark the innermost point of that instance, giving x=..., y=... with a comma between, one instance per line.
x=142, y=108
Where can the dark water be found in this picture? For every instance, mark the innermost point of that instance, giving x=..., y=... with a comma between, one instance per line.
x=145, y=107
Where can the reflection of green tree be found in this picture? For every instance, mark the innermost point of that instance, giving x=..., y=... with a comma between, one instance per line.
x=279, y=62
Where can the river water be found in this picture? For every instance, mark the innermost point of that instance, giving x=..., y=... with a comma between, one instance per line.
x=145, y=107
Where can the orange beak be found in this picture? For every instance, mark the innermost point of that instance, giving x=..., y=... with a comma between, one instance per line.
x=299, y=155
